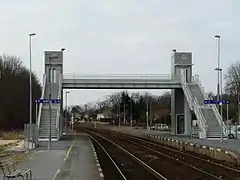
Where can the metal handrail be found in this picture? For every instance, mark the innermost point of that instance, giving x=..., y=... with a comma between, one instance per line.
x=219, y=118
x=193, y=103
x=123, y=76
x=186, y=89
x=59, y=106
x=196, y=79
x=200, y=116
x=42, y=96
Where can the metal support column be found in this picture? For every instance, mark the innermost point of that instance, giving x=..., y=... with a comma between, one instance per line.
x=50, y=105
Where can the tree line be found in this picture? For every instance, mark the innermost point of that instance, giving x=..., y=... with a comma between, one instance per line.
x=14, y=93
x=135, y=106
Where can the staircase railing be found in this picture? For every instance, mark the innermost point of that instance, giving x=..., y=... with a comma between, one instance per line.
x=194, y=105
x=59, y=105
x=186, y=89
x=40, y=106
x=196, y=80
x=200, y=116
x=218, y=116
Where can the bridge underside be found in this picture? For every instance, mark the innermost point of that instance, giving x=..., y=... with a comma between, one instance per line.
x=119, y=87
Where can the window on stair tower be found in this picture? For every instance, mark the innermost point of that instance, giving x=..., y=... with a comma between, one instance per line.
x=50, y=74
x=54, y=75
x=186, y=74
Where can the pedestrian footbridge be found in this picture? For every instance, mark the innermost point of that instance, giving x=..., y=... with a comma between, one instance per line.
x=118, y=81
x=187, y=95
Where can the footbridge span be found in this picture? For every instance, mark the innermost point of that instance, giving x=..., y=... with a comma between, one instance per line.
x=118, y=81
x=187, y=95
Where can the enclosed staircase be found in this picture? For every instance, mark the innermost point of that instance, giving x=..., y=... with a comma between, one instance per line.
x=45, y=113
x=208, y=116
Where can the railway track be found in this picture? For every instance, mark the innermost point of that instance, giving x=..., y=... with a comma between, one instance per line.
x=107, y=162
x=119, y=164
x=216, y=169
x=161, y=158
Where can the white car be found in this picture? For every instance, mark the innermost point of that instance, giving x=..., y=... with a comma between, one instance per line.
x=232, y=133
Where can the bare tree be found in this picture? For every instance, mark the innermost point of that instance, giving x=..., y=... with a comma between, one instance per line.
x=14, y=96
x=232, y=79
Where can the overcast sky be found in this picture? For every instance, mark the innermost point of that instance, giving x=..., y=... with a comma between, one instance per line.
x=122, y=36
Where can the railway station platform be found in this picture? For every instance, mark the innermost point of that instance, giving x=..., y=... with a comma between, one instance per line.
x=70, y=158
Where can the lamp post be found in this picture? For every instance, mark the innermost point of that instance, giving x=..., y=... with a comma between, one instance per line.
x=30, y=83
x=147, y=113
x=238, y=96
x=218, y=68
x=119, y=117
x=124, y=112
x=50, y=100
x=220, y=99
x=131, y=112
x=66, y=105
x=63, y=49
x=150, y=112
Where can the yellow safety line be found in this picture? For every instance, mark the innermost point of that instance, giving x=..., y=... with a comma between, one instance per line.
x=70, y=149
x=68, y=152
x=55, y=176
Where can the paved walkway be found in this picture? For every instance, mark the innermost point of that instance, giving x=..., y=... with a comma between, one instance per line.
x=80, y=164
x=227, y=144
x=69, y=159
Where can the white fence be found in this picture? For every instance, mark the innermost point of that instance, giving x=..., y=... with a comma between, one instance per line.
x=32, y=142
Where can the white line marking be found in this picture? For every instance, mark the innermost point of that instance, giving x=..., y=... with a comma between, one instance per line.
x=55, y=176
x=101, y=175
x=100, y=169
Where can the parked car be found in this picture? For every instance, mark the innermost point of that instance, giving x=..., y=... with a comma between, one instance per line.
x=232, y=133
x=160, y=127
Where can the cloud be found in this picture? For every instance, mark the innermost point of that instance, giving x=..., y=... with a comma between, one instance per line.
x=121, y=36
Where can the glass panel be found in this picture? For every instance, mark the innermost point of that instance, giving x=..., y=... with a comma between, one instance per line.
x=54, y=75
x=50, y=75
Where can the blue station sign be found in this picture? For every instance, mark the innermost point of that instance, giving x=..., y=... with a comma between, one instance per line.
x=46, y=101
x=216, y=101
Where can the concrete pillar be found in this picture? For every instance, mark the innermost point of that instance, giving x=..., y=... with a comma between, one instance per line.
x=187, y=118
